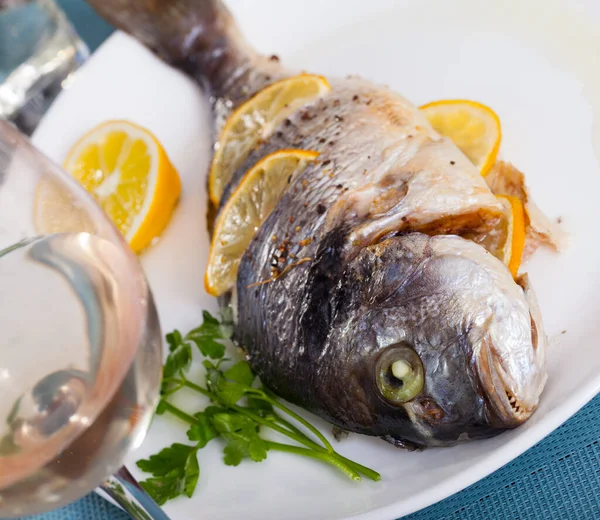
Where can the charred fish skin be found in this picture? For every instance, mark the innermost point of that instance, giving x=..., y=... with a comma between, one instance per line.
x=340, y=294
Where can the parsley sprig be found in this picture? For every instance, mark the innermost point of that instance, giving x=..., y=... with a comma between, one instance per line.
x=240, y=409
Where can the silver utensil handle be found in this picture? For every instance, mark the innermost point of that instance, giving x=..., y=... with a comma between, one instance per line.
x=124, y=489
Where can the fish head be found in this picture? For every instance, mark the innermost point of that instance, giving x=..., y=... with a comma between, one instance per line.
x=445, y=345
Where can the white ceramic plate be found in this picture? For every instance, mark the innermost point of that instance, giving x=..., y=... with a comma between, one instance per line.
x=536, y=63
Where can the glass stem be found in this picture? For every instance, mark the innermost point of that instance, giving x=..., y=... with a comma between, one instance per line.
x=125, y=490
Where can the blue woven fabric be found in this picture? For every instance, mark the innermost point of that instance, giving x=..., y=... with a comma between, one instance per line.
x=559, y=478
x=92, y=29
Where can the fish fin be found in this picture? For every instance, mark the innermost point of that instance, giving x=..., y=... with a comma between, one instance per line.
x=197, y=36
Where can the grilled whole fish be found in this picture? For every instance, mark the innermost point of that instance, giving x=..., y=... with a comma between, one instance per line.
x=392, y=325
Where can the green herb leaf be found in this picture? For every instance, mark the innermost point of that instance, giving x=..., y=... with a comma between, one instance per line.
x=160, y=408
x=213, y=376
x=241, y=434
x=203, y=430
x=235, y=451
x=228, y=392
x=192, y=473
x=175, y=470
x=205, y=336
x=231, y=422
x=174, y=340
x=167, y=460
x=240, y=373
x=261, y=407
x=162, y=489
x=257, y=449
x=179, y=358
x=214, y=327
x=208, y=346
x=241, y=446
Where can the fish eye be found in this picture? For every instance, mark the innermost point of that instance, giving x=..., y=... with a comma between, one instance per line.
x=399, y=374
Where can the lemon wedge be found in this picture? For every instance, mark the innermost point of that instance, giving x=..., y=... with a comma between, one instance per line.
x=254, y=120
x=127, y=171
x=474, y=128
x=512, y=251
x=246, y=210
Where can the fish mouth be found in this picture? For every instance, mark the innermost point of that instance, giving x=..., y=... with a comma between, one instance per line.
x=506, y=409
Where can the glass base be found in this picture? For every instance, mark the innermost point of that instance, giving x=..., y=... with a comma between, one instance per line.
x=40, y=51
x=28, y=117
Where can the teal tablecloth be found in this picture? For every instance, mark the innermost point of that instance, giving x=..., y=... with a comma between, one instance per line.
x=559, y=478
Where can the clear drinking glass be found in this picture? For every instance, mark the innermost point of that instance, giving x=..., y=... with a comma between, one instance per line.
x=80, y=347
x=39, y=50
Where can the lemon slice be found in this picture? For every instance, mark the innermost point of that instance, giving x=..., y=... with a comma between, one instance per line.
x=474, y=128
x=254, y=120
x=128, y=172
x=246, y=210
x=512, y=252
x=506, y=240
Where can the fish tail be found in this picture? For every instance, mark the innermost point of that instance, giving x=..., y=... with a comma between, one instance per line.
x=199, y=37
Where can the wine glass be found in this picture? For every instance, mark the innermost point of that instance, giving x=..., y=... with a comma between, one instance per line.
x=80, y=350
